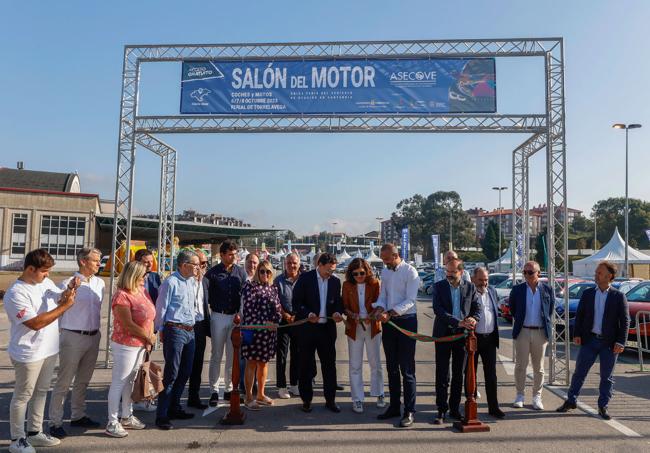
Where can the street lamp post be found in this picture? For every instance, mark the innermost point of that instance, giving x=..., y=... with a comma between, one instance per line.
x=627, y=127
x=379, y=219
x=500, y=210
x=334, y=236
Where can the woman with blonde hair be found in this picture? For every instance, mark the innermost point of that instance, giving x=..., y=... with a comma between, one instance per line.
x=133, y=313
x=360, y=291
x=261, y=305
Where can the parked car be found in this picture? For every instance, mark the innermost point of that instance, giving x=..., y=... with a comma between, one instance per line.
x=503, y=288
x=102, y=263
x=638, y=299
x=504, y=309
x=497, y=277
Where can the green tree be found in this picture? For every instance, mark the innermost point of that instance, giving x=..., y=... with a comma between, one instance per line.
x=430, y=215
x=490, y=242
x=610, y=214
x=581, y=224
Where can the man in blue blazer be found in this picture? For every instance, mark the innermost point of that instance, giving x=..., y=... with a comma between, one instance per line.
x=317, y=297
x=531, y=304
x=487, y=338
x=602, y=323
x=456, y=307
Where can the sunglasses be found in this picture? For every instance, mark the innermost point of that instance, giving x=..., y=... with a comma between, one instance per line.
x=264, y=272
x=529, y=272
x=359, y=274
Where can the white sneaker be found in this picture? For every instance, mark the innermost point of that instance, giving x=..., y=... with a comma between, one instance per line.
x=283, y=393
x=114, y=429
x=145, y=406
x=537, y=403
x=381, y=402
x=132, y=423
x=21, y=446
x=42, y=440
x=357, y=406
x=293, y=389
x=478, y=394
x=519, y=402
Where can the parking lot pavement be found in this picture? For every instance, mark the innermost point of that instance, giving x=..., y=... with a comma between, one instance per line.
x=284, y=426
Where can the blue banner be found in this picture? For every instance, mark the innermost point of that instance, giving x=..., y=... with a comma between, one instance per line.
x=368, y=86
x=405, y=243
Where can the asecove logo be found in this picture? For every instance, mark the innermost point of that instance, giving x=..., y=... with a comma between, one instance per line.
x=199, y=94
x=413, y=76
x=200, y=71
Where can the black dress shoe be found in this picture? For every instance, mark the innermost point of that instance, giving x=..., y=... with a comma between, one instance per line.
x=389, y=413
x=214, y=400
x=226, y=396
x=407, y=420
x=602, y=411
x=339, y=387
x=196, y=403
x=180, y=415
x=306, y=407
x=497, y=413
x=84, y=422
x=58, y=432
x=455, y=415
x=440, y=418
x=164, y=424
x=331, y=405
x=566, y=407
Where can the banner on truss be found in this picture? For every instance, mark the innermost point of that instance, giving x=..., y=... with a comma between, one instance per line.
x=368, y=86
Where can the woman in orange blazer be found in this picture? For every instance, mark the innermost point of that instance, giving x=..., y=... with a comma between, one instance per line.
x=360, y=291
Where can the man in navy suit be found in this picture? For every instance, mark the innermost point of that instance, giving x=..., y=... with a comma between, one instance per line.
x=456, y=307
x=602, y=322
x=531, y=304
x=317, y=297
x=201, y=332
x=487, y=338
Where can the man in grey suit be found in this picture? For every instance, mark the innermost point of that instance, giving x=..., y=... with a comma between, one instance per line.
x=487, y=338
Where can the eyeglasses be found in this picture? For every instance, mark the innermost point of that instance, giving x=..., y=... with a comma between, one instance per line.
x=359, y=274
x=265, y=272
x=529, y=272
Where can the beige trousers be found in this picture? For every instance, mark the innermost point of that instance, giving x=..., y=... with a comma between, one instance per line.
x=77, y=359
x=32, y=383
x=531, y=343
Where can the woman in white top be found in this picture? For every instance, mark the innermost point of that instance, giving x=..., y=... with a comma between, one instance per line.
x=360, y=291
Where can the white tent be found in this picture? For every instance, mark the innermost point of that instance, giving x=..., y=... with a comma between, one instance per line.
x=372, y=258
x=613, y=251
x=503, y=264
x=358, y=254
x=310, y=256
x=341, y=257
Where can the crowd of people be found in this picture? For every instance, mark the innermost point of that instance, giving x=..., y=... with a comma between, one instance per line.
x=194, y=303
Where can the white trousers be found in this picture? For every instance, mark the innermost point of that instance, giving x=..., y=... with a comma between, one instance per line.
x=220, y=331
x=530, y=343
x=32, y=383
x=126, y=362
x=355, y=353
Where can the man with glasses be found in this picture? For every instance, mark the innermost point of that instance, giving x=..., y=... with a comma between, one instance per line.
x=531, y=304
x=225, y=281
x=317, y=297
x=175, y=319
x=201, y=332
x=396, y=302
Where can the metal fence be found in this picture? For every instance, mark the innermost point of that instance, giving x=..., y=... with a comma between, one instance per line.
x=642, y=331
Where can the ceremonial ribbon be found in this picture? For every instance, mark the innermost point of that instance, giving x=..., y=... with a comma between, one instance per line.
x=414, y=335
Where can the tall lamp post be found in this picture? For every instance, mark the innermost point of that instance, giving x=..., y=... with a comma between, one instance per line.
x=627, y=127
x=500, y=210
x=334, y=237
x=379, y=219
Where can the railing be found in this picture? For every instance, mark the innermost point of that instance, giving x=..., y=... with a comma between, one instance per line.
x=642, y=331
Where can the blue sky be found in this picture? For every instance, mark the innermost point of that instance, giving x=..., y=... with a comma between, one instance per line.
x=61, y=77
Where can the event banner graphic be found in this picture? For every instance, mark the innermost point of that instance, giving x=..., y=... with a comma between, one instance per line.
x=405, y=243
x=368, y=86
x=435, y=239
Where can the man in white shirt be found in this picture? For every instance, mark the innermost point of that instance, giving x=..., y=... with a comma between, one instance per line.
x=79, y=345
x=487, y=338
x=396, y=302
x=34, y=304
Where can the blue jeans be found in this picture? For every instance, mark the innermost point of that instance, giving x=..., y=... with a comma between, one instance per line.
x=178, y=350
x=591, y=349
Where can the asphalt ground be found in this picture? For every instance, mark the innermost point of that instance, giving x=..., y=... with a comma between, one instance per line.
x=284, y=426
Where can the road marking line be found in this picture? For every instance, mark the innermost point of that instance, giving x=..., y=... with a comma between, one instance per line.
x=593, y=412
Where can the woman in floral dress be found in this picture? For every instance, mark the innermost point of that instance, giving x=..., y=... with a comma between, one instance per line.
x=261, y=305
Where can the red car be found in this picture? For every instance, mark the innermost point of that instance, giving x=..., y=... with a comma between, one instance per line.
x=638, y=299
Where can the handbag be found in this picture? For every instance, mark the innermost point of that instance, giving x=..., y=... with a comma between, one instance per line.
x=148, y=380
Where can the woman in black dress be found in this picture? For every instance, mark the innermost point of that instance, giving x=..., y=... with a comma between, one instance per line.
x=261, y=305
